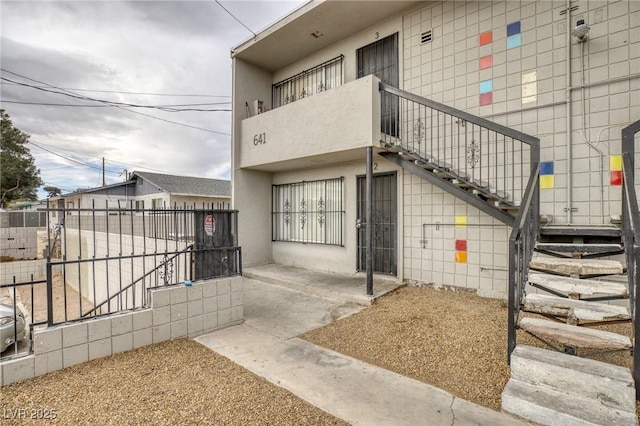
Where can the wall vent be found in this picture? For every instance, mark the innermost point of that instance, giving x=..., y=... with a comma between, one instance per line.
x=426, y=37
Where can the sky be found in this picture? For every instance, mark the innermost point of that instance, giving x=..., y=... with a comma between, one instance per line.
x=99, y=49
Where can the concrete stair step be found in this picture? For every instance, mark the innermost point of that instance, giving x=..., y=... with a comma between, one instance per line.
x=577, y=288
x=577, y=267
x=581, y=230
x=578, y=311
x=571, y=335
x=547, y=406
x=580, y=249
x=607, y=384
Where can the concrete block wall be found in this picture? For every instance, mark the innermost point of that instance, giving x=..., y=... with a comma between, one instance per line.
x=19, y=243
x=176, y=312
x=435, y=224
x=23, y=270
x=524, y=59
x=527, y=73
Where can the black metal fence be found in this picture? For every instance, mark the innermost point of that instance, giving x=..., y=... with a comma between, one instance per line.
x=24, y=300
x=101, y=263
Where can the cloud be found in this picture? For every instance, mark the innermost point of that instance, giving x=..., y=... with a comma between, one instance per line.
x=142, y=46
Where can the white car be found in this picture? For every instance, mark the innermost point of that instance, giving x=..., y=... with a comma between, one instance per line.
x=12, y=324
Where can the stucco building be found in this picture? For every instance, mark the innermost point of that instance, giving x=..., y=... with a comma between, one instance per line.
x=307, y=104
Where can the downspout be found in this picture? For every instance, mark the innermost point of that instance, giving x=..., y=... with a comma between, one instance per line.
x=568, y=110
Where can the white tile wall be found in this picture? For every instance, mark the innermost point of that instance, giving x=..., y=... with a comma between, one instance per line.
x=447, y=70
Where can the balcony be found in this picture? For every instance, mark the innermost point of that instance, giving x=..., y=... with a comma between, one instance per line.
x=330, y=127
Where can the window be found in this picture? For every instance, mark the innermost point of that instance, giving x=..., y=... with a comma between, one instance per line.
x=157, y=203
x=139, y=205
x=322, y=77
x=309, y=212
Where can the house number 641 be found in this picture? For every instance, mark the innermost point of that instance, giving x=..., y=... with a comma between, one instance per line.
x=259, y=139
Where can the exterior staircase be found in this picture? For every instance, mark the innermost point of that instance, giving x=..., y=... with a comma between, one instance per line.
x=550, y=387
x=496, y=169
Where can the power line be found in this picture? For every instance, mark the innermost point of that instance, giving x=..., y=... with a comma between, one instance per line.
x=110, y=106
x=75, y=95
x=70, y=159
x=168, y=108
x=234, y=17
x=138, y=93
x=99, y=158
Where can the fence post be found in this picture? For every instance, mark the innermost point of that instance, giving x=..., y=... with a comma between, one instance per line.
x=49, y=292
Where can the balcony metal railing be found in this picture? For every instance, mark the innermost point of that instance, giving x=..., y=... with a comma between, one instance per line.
x=325, y=76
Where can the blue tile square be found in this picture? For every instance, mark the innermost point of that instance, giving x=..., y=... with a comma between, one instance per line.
x=513, y=28
x=514, y=41
x=546, y=168
x=486, y=86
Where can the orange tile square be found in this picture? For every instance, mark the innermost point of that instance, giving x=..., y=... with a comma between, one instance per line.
x=461, y=257
x=486, y=38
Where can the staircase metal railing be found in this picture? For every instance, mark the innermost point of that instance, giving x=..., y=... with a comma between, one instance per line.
x=631, y=237
x=522, y=241
x=477, y=149
x=489, y=155
x=161, y=269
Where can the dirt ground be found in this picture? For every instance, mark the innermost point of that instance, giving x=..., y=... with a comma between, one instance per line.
x=452, y=340
x=175, y=382
x=38, y=294
x=455, y=341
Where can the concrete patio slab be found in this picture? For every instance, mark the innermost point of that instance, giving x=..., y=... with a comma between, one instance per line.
x=342, y=287
x=357, y=392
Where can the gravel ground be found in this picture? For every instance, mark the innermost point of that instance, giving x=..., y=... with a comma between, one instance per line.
x=455, y=341
x=175, y=382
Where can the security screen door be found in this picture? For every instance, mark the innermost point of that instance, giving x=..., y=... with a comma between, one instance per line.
x=381, y=59
x=384, y=223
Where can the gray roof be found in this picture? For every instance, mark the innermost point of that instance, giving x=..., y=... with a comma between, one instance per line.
x=188, y=185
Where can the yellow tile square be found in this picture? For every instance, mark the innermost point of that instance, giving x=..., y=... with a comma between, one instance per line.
x=461, y=257
x=546, y=182
x=615, y=163
x=461, y=221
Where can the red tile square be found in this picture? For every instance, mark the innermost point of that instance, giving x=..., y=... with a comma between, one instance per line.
x=486, y=38
x=461, y=245
x=486, y=98
x=486, y=62
x=615, y=178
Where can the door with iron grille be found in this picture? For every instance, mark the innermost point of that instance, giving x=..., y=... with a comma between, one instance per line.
x=381, y=59
x=384, y=223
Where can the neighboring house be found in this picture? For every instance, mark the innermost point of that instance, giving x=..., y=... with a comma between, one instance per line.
x=144, y=190
x=308, y=106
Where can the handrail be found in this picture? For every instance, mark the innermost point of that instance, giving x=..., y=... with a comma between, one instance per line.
x=95, y=308
x=631, y=238
x=521, y=244
x=528, y=139
x=492, y=158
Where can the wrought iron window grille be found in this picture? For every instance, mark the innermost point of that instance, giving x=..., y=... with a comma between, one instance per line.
x=309, y=212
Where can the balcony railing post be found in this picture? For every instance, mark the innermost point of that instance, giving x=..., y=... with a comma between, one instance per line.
x=369, y=220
